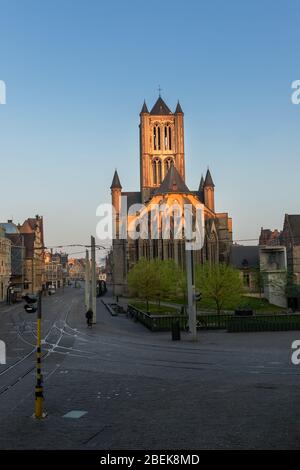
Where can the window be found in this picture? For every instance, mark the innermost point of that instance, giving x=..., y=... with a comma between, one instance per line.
x=156, y=137
x=167, y=137
x=246, y=279
x=170, y=138
x=157, y=174
x=168, y=163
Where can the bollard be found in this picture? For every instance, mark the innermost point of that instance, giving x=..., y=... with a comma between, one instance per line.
x=175, y=331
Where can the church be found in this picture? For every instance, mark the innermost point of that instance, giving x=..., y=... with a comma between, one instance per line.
x=162, y=181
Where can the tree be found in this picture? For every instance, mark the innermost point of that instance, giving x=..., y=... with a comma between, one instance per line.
x=292, y=289
x=155, y=279
x=168, y=279
x=141, y=280
x=258, y=280
x=220, y=283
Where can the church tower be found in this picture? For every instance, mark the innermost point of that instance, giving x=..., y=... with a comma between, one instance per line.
x=161, y=145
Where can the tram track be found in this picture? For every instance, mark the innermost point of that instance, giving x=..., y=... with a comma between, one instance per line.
x=24, y=373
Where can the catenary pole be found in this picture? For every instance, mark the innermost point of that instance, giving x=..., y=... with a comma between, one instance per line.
x=87, y=280
x=93, y=279
x=39, y=397
x=190, y=274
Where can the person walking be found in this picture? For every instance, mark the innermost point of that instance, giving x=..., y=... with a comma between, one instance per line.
x=89, y=317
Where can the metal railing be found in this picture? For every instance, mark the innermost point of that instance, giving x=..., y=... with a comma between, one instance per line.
x=223, y=321
x=278, y=322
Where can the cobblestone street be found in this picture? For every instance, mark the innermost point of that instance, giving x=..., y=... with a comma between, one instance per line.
x=140, y=390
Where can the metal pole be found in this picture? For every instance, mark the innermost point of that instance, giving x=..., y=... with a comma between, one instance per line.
x=190, y=274
x=22, y=262
x=93, y=279
x=39, y=378
x=32, y=274
x=87, y=280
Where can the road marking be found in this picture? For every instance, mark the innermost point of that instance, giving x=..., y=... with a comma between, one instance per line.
x=75, y=414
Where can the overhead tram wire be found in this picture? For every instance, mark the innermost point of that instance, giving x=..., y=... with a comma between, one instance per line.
x=101, y=247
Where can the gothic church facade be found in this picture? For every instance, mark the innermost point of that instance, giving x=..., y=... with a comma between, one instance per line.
x=162, y=180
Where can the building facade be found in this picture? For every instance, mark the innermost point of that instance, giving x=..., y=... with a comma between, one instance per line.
x=76, y=267
x=56, y=269
x=269, y=237
x=5, y=264
x=162, y=183
x=290, y=238
x=273, y=268
x=17, y=260
x=32, y=231
x=246, y=260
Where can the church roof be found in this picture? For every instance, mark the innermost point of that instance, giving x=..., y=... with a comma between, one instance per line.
x=172, y=183
x=160, y=108
x=133, y=197
x=178, y=109
x=116, y=181
x=244, y=256
x=208, y=179
x=9, y=227
x=144, y=108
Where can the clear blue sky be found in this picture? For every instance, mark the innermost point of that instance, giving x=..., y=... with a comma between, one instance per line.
x=77, y=73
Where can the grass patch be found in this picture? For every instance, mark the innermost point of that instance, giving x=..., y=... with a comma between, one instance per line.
x=251, y=303
x=154, y=309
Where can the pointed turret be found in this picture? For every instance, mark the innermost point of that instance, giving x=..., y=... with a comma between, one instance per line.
x=208, y=180
x=144, y=109
x=116, y=193
x=178, y=109
x=209, y=192
x=201, y=185
x=201, y=189
x=116, y=181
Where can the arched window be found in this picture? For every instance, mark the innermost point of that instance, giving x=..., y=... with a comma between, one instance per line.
x=167, y=137
x=168, y=163
x=166, y=145
x=157, y=174
x=170, y=138
x=156, y=137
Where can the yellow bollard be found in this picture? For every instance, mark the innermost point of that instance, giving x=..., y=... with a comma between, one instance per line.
x=39, y=398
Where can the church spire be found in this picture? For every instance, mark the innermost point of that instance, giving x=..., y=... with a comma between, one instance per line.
x=116, y=181
x=209, y=192
x=208, y=180
x=178, y=109
x=144, y=109
x=201, y=185
x=201, y=189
